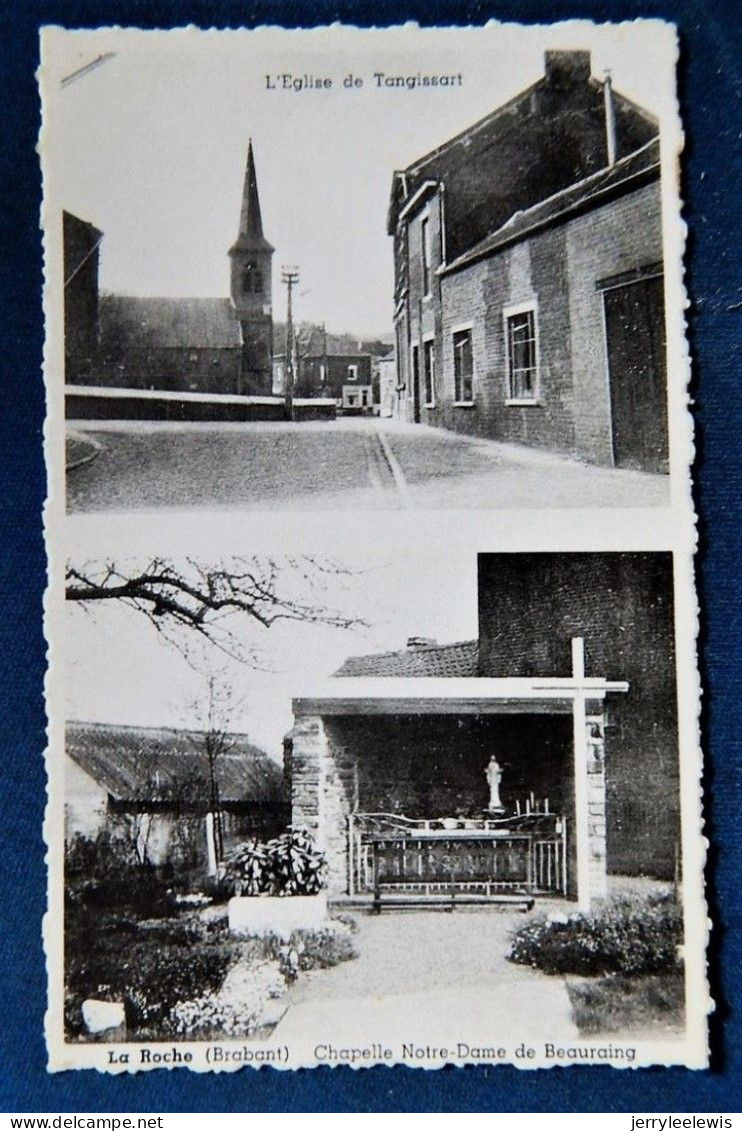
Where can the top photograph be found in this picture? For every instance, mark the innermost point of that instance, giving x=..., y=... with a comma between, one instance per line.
x=328, y=271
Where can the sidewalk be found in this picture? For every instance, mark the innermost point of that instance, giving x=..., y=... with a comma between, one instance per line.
x=434, y=977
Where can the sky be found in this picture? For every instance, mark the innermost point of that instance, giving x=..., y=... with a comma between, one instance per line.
x=118, y=669
x=150, y=146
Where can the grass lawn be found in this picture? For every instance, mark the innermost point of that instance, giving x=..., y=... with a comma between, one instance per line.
x=620, y=1002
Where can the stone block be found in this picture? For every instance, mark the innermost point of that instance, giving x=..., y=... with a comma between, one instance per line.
x=103, y=1016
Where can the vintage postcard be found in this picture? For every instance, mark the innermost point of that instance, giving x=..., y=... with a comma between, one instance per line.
x=373, y=691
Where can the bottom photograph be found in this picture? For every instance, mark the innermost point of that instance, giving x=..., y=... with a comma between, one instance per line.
x=364, y=811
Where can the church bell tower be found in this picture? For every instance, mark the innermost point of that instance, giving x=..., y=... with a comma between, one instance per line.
x=250, y=289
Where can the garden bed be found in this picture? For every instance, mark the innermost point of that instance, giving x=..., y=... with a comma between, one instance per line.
x=623, y=961
x=620, y=1003
x=185, y=976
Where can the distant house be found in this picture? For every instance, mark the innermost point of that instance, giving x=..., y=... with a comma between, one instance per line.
x=81, y=254
x=347, y=378
x=174, y=344
x=161, y=776
x=528, y=275
x=569, y=688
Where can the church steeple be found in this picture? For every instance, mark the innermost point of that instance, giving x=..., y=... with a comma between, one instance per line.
x=250, y=287
x=251, y=222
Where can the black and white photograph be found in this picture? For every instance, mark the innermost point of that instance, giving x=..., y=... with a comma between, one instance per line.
x=301, y=310
x=373, y=697
x=473, y=805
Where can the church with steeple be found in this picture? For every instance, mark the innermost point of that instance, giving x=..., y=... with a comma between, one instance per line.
x=201, y=345
x=250, y=289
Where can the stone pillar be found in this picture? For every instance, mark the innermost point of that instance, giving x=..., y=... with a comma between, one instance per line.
x=318, y=799
x=308, y=762
x=596, y=805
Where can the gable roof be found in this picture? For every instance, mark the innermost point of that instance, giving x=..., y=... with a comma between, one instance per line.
x=436, y=660
x=155, y=763
x=168, y=323
x=637, y=168
x=504, y=140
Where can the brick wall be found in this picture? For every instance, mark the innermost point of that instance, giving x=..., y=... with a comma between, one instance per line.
x=531, y=605
x=607, y=241
x=185, y=370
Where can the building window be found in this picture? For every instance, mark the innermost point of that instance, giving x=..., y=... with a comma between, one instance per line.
x=425, y=237
x=429, y=372
x=352, y=373
x=252, y=279
x=463, y=367
x=415, y=383
x=522, y=354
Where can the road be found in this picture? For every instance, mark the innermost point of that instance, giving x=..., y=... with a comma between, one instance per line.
x=337, y=465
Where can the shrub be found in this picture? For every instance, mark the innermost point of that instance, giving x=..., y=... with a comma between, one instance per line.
x=626, y=937
x=105, y=872
x=623, y=1002
x=287, y=865
x=149, y=966
x=316, y=949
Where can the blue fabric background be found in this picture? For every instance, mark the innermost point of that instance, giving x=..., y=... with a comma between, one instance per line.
x=710, y=85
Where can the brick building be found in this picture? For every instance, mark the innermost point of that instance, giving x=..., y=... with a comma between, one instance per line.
x=570, y=688
x=528, y=275
x=346, y=378
x=189, y=345
x=81, y=256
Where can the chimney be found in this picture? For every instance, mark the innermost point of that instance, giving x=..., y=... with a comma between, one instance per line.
x=610, y=118
x=416, y=643
x=566, y=69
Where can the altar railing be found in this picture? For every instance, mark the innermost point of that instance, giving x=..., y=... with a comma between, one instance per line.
x=524, y=852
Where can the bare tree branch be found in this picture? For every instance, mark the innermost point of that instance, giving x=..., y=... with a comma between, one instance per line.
x=214, y=601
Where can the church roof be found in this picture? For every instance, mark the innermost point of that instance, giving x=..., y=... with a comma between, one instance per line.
x=418, y=659
x=250, y=236
x=168, y=323
x=154, y=764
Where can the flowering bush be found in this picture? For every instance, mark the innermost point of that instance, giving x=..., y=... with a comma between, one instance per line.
x=287, y=865
x=626, y=937
x=236, y=1010
x=315, y=949
x=149, y=965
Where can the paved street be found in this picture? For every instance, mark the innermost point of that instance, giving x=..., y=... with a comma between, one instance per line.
x=349, y=463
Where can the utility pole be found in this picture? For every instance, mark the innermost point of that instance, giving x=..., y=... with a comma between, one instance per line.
x=325, y=373
x=289, y=276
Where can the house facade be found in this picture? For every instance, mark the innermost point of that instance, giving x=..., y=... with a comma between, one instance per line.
x=528, y=275
x=346, y=378
x=155, y=780
x=567, y=700
x=388, y=398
